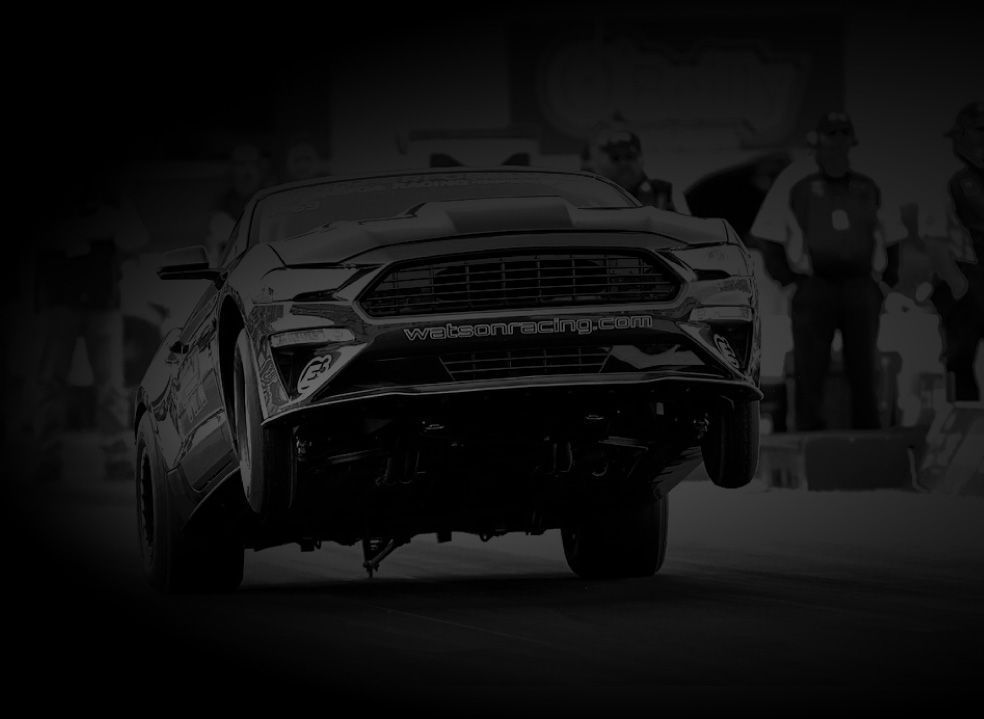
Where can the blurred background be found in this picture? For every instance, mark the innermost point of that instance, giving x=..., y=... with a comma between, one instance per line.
x=723, y=96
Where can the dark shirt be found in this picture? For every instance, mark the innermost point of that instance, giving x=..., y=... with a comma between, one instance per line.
x=966, y=189
x=838, y=217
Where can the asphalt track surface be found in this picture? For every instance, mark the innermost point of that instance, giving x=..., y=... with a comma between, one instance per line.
x=772, y=602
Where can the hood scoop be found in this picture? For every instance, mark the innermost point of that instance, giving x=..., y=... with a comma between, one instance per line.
x=522, y=214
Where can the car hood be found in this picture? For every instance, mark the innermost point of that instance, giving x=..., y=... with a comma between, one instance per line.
x=345, y=241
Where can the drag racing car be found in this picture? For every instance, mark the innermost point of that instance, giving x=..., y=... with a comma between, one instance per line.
x=428, y=352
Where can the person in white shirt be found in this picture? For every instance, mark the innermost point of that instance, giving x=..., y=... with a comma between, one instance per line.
x=820, y=228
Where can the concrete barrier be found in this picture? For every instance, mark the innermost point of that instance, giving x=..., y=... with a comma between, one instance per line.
x=953, y=461
x=843, y=459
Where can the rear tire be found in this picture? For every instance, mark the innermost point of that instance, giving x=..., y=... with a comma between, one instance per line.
x=619, y=541
x=206, y=557
x=731, y=445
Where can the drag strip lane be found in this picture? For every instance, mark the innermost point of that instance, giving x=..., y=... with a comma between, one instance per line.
x=754, y=606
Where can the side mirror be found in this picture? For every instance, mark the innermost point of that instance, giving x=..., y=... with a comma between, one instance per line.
x=188, y=263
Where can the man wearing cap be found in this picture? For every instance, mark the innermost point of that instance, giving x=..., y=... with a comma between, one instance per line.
x=614, y=150
x=836, y=248
x=955, y=241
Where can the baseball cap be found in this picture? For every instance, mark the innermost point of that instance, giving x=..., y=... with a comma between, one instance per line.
x=833, y=123
x=970, y=115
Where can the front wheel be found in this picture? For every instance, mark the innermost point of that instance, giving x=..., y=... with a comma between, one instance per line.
x=731, y=445
x=259, y=449
x=617, y=542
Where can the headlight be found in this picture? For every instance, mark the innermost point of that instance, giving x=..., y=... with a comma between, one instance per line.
x=715, y=261
x=721, y=314
x=289, y=283
x=312, y=336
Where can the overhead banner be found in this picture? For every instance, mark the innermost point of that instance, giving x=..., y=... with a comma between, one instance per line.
x=729, y=84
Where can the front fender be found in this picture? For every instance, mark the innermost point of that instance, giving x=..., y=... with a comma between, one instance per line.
x=152, y=391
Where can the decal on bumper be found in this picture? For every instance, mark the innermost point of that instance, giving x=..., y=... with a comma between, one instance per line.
x=553, y=325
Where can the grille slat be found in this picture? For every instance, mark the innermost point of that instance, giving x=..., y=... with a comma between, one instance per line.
x=573, y=361
x=528, y=290
x=497, y=364
x=520, y=281
x=525, y=292
x=486, y=285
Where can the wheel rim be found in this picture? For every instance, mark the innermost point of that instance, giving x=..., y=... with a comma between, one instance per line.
x=145, y=501
x=243, y=439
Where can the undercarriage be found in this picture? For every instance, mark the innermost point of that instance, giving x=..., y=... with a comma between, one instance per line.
x=485, y=465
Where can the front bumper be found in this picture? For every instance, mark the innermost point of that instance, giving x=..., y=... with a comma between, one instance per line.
x=706, y=337
x=407, y=362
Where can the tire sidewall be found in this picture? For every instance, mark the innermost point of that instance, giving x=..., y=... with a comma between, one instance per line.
x=174, y=561
x=248, y=426
x=731, y=447
x=156, y=550
x=620, y=541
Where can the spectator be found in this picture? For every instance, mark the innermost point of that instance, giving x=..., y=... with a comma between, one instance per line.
x=769, y=228
x=614, y=150
x=78, y=295
x=837, y=252
x=301, y=161
x=955, y=242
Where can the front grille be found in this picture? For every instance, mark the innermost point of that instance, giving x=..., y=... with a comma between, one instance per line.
x=520, y=281
x=497, y=364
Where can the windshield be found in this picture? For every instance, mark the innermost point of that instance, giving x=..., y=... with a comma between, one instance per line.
x=298, y=210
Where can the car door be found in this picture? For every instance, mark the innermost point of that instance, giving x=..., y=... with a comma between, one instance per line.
x=206, y=441
x=208, y=450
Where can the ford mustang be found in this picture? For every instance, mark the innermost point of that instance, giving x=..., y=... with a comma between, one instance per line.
x=428, y=352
